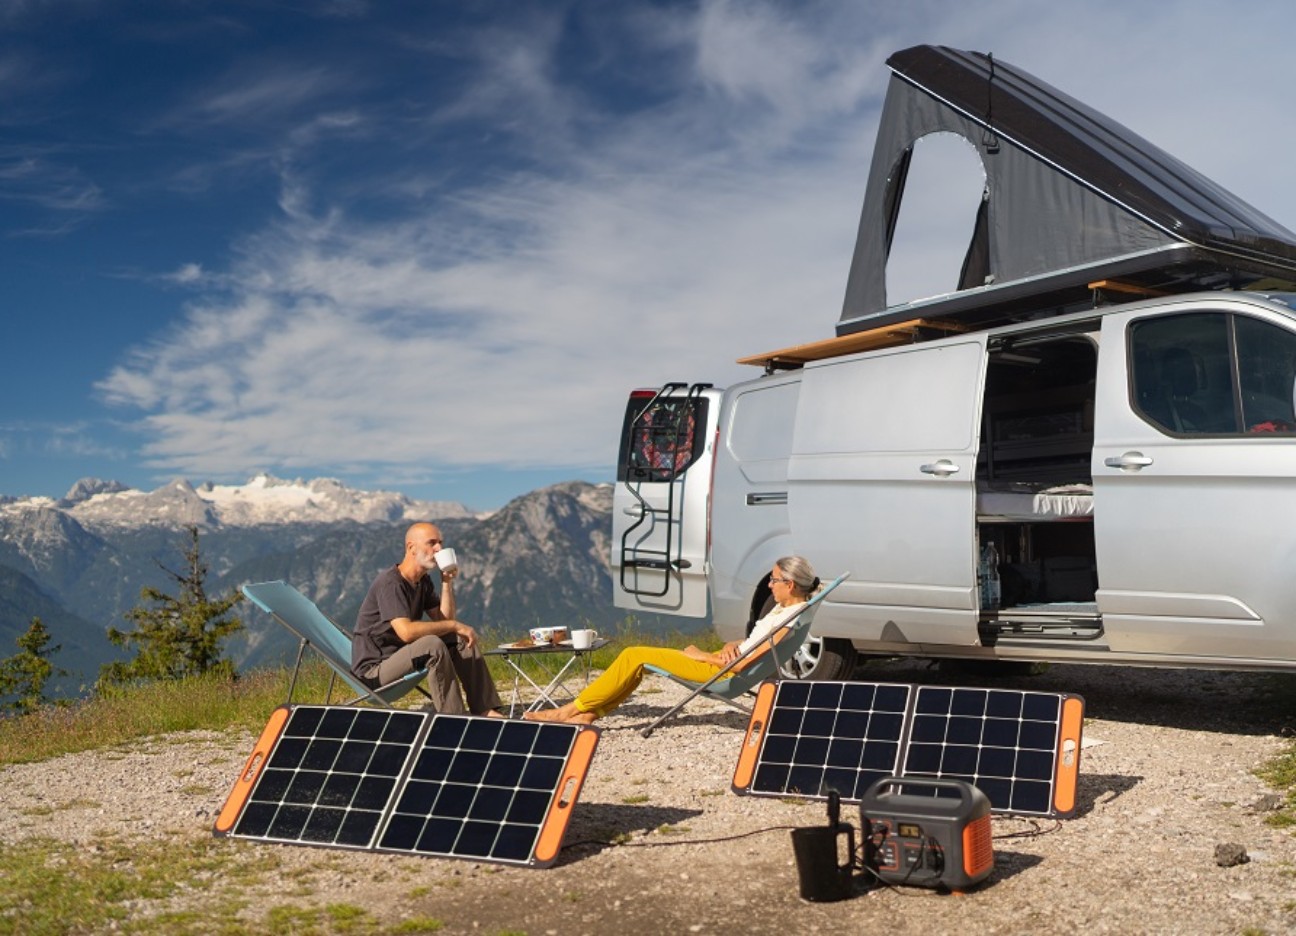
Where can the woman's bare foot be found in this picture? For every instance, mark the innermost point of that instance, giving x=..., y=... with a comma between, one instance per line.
x=494, y=713
x=569, y=714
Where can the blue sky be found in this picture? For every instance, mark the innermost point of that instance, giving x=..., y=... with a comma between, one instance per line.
x=430, y=247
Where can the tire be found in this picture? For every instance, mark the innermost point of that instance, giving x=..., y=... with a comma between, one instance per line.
x=822, y=658
x=827, y=658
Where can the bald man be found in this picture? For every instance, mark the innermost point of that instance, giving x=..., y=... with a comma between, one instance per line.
x=394, y=638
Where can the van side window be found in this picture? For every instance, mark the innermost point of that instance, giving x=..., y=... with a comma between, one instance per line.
x=1213, y=373
x=1267, y=371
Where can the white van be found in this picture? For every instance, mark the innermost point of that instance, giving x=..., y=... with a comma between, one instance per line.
x=1134, y=468
x=1086, y=451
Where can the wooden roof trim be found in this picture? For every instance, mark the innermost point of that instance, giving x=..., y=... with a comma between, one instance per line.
x=885, y=336
x=1121, y=286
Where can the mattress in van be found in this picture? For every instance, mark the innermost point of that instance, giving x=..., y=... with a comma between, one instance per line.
x=1030, y=503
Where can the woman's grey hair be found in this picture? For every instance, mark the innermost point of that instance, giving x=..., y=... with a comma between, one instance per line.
x=800, y=571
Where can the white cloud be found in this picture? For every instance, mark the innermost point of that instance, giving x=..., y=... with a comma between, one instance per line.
x=505, y=325
x=186, y=274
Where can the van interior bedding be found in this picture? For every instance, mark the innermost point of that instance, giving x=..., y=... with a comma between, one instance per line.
x=1027, y=502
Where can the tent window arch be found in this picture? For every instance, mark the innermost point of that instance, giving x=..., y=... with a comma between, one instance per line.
x=939, y=189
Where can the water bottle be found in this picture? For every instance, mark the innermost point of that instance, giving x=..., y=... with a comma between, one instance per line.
x=989, y=575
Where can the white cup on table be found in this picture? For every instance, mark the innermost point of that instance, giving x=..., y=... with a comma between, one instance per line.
x=583, y=639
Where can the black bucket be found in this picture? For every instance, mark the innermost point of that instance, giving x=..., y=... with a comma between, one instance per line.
x=822, y=875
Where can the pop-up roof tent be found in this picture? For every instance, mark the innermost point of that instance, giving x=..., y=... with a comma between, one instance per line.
x=1072, y=198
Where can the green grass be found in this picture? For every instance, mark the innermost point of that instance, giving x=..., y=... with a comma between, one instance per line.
x=139, y=711
x=1280, y=772
x=55, y=887
x=129, y=713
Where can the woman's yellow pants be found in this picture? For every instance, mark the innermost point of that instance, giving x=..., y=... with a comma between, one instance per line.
x=627, y=671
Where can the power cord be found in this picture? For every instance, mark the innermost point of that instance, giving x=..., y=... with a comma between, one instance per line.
x=1032, y=832
x=710, y=841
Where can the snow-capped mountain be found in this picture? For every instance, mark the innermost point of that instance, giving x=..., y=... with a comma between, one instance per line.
x=264, y=500
x=80, y=562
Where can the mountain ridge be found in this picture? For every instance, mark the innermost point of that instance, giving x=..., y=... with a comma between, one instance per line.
x=544, y=557
x=262, y=500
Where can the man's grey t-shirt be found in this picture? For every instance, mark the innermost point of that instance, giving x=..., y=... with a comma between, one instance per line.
x=389, y=597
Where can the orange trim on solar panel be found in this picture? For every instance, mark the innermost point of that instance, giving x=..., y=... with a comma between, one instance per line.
x=1068, y=754
x=755, y=732
x=247, y=777
x=555, y=824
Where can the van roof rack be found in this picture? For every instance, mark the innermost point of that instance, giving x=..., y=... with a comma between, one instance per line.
x=885, y=336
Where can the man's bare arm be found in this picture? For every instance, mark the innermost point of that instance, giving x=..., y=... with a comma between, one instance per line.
x=409, y=631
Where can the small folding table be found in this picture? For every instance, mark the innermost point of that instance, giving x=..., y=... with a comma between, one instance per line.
x=568, y=660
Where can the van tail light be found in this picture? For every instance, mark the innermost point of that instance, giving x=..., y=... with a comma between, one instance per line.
x=710, y=491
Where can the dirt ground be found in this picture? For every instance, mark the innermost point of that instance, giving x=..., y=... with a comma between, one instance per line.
x=658, y=842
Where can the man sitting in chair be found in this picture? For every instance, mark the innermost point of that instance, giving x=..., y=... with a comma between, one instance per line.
x=392, y=639
x=792, y=581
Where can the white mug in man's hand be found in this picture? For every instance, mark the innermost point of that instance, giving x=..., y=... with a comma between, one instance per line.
x=583, y=639
x=446, y=560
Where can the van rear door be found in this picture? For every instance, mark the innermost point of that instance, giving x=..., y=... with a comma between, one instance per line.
x=660, y=504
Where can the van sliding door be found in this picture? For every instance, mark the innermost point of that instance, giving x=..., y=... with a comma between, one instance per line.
x=881, y=484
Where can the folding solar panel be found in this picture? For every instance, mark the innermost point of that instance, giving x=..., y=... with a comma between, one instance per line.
x=807, y=739
x=452, y=786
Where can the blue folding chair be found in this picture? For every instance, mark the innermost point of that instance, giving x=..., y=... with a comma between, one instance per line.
x=763, y=661
x=314, y=629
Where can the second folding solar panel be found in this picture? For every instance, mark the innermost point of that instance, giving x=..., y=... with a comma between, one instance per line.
x=812, y=738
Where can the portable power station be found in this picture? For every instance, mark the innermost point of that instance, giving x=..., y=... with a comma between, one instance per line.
x=926, y=832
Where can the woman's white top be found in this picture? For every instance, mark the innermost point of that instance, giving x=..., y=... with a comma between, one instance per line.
x=777, y=616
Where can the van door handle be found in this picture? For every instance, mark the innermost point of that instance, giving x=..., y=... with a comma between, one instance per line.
x=1130, y=460
x=940, y=468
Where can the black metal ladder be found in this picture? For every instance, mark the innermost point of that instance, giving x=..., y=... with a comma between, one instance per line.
x=673, y=435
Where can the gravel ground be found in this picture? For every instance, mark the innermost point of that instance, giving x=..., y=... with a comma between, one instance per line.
x=1166, y=776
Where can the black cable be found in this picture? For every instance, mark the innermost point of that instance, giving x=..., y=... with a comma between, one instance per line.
x=725, y=838
x=990, y=139
x=1032, y=832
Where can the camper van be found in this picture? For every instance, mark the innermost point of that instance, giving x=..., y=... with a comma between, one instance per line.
x=1087, y=453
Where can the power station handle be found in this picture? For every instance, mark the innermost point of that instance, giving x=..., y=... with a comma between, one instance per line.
x=962, y=787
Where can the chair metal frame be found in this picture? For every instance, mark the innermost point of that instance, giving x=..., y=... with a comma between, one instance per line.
x=766, y=661
x=328, y=639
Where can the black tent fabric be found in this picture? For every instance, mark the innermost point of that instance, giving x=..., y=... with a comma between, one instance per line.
x=1071, y=195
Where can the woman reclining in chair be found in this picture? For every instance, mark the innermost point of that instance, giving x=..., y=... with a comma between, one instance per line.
x=792, y=582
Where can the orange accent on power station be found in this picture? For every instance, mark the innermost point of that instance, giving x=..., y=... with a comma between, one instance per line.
x=1068, y=755
x=251, y=770
x=560, y=810
x=978, y=847
x=752, y=739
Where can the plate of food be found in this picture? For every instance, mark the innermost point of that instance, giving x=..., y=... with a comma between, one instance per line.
x=525, y=643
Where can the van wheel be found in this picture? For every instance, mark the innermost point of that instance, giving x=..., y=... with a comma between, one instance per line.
x=822, y=658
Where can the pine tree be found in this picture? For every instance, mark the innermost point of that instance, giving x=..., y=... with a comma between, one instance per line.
x=24, y=674
x=178, y=636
